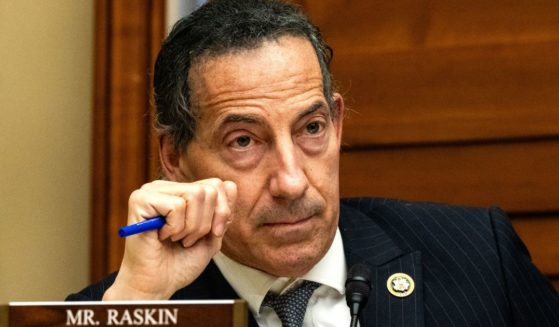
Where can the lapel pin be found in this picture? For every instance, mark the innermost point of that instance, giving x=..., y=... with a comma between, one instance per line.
x=400, y=284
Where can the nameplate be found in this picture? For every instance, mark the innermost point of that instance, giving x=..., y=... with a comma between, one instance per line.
x=220, y=313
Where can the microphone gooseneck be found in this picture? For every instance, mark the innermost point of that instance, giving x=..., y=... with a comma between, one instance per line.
x=357, y=288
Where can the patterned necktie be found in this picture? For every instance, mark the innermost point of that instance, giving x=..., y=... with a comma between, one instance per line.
x=291, y=306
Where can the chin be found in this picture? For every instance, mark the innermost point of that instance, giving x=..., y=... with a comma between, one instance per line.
x=285, y=251
x=295, y=260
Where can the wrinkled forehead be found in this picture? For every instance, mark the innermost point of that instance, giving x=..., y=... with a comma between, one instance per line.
x=286, y=63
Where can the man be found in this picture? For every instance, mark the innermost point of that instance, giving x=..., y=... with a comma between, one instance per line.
x=250, y=137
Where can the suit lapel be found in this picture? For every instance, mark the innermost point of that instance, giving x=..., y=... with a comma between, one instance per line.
x=367, y=243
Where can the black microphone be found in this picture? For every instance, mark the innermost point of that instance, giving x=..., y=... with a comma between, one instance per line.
x=357, y=288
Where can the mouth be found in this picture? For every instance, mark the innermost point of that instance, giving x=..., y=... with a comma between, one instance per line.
x=290, y=231
x=288, y=222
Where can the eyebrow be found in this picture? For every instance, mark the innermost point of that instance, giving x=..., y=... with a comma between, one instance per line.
x=313, y=108
x=254, y=119
x=237, y=118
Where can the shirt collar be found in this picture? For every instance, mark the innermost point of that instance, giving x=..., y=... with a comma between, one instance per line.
x=252, y=284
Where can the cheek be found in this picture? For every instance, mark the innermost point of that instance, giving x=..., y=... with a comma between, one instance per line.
x=232, y=239
x=240, y=239
x=247, y=195
x=325, y=171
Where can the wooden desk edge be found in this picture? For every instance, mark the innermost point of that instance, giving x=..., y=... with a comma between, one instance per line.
x=240, y=314
x=4, y=315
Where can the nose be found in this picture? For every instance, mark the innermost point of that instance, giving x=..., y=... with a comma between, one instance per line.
x=288, y=178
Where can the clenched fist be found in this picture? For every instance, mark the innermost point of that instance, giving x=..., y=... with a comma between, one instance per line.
x=157, y=263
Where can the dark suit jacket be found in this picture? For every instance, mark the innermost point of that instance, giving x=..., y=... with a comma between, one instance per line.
x=469, y=267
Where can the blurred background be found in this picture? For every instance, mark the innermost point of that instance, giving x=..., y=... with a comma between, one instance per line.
x=451, y=101
x=46, y=80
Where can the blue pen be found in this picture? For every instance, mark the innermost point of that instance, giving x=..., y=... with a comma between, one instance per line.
x=143, y=226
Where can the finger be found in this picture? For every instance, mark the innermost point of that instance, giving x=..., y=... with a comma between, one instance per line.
x=194, y=209
x=201, y=207
x=144, y=204
x=231, y=191
x=200, y=202
x=223, y=213
x=193, y=196
x=208, y=208
x=176, y=188
x=174, y=217
x=221, y=208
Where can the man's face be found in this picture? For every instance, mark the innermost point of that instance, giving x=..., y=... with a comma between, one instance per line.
x=265, y=124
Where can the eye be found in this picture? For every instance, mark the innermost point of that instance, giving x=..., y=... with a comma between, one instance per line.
x=242, y=141
x=313, y=128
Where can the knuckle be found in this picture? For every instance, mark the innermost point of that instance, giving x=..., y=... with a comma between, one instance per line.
x=223, y=212
x=197, y=193
x=135, y=197
x=172, y=228
x=215, y=181
x=179, y=204
x=147, y=186
x=211, y=193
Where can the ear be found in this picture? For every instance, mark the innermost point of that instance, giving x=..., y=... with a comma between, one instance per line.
x=169, y=157
x=339, y=108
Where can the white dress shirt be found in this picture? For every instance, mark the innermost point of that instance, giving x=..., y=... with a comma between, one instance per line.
x=327, y=306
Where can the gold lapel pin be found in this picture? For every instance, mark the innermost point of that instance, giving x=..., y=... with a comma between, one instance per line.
x=400, y=284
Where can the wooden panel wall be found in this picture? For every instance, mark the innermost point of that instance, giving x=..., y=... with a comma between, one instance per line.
x=127, y=37
x=452, y=101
